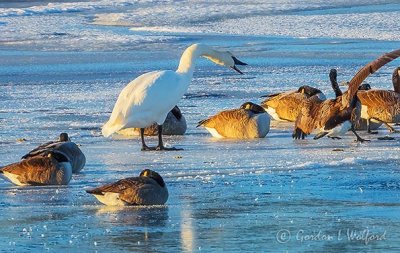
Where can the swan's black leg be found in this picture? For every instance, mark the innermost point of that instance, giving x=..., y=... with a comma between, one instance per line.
x=160, y=142
x=144, y=146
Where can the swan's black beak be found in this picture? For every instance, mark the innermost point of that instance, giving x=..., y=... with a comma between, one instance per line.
x=237, y=62
x=238, y=70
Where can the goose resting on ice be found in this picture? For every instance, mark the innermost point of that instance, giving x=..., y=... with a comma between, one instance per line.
x=247, y=122
x=147, y=189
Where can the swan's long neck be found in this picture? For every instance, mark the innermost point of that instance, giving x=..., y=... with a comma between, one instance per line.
x=190, y=55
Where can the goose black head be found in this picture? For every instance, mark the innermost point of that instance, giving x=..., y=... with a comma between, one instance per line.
x=308, y=90
x=176, y=112
x=364, y=86
x=154, y=175
x=64, y=137
x=59, y=156
x=252, y=107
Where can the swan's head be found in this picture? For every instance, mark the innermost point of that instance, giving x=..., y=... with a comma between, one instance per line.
x=224, y=58
x=252, y=107
x=154, y=175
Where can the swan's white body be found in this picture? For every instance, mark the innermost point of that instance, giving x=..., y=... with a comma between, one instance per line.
x=146, y=100
x=149, y=98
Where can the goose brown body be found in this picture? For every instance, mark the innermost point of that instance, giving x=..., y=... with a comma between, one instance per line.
x=382, y=105
x=359, y=123
x=49, y=170
x=324, y=115
x=242, y=123
x=147, y=189
x=63, y=146
x=334, y=116
x=285, y=106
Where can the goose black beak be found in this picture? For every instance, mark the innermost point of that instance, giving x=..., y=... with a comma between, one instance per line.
x=237, y=62
x=176, y=112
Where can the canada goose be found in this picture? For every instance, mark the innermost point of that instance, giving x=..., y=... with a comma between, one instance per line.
x=359, y=123
x=63, y=137
x=333, y=116
x=147, y=189
x=249, y=121
x=285, y=106
x=148, y=99
x=382, y=105
x=62, y=146
x=174, y=124
x=53, y=169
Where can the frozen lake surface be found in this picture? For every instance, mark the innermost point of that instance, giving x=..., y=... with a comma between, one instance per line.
x=64, y=63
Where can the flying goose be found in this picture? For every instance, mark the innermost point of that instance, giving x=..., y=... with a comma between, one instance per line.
x=147, y=189
x=53, y=169
x=148, y=99
x=174, y=124
x=382, y=105
x=249, y=121
x=360, y=123
x=66, y=147
x=333, y=117
x=285, y=106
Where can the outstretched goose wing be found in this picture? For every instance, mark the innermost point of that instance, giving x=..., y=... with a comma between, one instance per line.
x=364, y=72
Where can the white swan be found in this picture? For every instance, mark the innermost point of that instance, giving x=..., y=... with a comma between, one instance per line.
x=149, y=98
